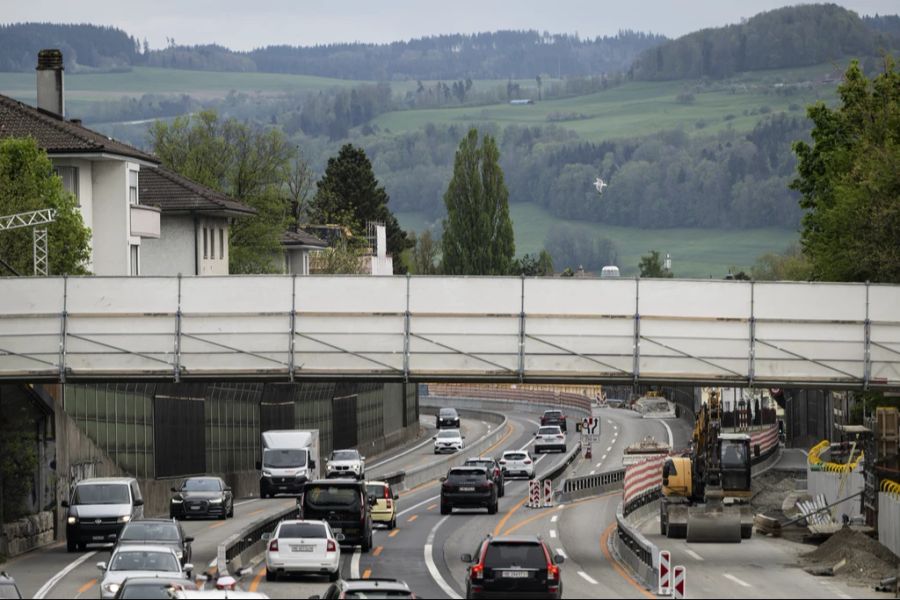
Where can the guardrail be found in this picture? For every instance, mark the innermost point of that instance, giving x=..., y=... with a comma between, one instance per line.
x=636, y=551
x=575, y=488
x=232, y=553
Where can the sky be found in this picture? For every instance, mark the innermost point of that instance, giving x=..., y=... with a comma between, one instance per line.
x=243, y=24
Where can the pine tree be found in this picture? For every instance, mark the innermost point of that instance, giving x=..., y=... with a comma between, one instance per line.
x=478, y=233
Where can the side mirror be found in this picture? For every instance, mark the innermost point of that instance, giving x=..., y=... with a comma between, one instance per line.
x=138, y=502
x=466, y=558
x=101, y=566
x=559, y=559
x=188, y=568
x=258, y=466
x=174, y=490
x=203, y=578
x=443, y=479
x=362, y=458
x=463, y=437
x=312, y=464
x=188, y=540
x=267, y=536
x=64, y=504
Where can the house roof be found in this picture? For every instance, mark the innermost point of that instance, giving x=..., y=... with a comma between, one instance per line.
x=56, y=135
x=173, y=193
x=301, y=238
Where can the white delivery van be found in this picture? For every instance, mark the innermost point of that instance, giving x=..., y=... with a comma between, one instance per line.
x=290, y=458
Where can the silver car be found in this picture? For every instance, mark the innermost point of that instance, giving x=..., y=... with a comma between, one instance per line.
x=133, y=561
x=346, y=463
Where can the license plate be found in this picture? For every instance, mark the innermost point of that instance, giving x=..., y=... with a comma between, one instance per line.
x=467, y=489
x=302, y=548
x=515, y=574
x=98, y=538
x=195, y=508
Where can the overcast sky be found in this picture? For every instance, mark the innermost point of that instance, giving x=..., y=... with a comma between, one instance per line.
x=246, y=24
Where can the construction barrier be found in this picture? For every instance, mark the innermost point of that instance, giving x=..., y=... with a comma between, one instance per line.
x=534, y=494
x=665, y=573
x=548, y=493
x=642, y=479
x=767, y=440
x=591, y=485
x=679, y=584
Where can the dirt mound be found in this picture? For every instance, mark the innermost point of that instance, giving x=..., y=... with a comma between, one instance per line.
x=867, y=560
x=771, y=488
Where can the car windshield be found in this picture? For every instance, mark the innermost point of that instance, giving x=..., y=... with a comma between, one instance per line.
x=8, y=590
x=102, y=493
x=378, y=490
x=448, y=433
x=733, y=454
x=147, y=590
x=479, y=463
x=302, y=530
x=202, y=485
x=346, y=498
x=526, y=555
x=144, y=560
x=284, y=459
x=549, y=431
x=141, y=530
x=448, y=412
x=553, y=414
x=466, y=474
x=514, y=456
x=345, y=455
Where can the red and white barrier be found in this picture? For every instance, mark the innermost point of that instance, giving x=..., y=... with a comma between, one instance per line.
x=548, y=493
x=766, y=439
x=665, y=573
x=534, y=494
x=643, y=477
x=679, y=589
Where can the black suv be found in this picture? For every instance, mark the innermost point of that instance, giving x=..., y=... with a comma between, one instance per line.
x=518, y=566
x=157, y=532
x=448, y=418
x=202, y=497
x=493, y=469
x=468, y=487
x=554, y=417
x=343, y=503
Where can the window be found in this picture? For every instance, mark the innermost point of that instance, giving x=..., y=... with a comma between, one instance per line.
x=135, y=260
x=205, y=244
x=221, y=243
x=212, y=243
x=133, y=187
x=69, y=176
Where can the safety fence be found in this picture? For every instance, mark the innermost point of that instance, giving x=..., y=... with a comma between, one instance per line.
x=642, y=480
x=767, y=440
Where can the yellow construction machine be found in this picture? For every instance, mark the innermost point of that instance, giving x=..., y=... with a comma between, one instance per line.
x=706, y=492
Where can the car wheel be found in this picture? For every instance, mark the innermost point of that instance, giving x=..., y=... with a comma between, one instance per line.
x=71, y=546
x=446, y=509
x=492, y=509
x=231, y=512
x=332, y=577
x=367, y=543
x=531, y=476
x=393, y=523
x=223, y=516
x=271, y=575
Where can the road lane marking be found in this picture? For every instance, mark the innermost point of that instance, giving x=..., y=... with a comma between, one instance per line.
x=394, y=533
x=254, y=585
x=412, y=518
x=736, y=580
x=219, y=524
x=508, y=515
x=431, y=507
x=367, y=573
x=45, y=589
x=604, y=547
x=587, y=578
x=429, y=562
x=415, y=506
x=377, y=550
x=354, y=564
x=592, y=473
x=600, y=464
x=694, y=555
x=256, y=512
x=554, y=518
x=609, y=449
x=87, y=586
x=553, y=533
x=669, y=433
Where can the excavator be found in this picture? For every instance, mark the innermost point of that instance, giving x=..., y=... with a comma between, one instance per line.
x=706, y=491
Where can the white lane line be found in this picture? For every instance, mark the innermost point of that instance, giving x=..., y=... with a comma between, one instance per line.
x=669, y=433
x=602, y=458
x=47, y=587
x=415, y=506
x=429, y=562
x=587, y=578
x=354, y=564
x=736, y=580
x=609, y=449
x=554, y=518
x=694, y=555
x=243, y=502
x=553, y=533
x=592, y=473
x=610, y=422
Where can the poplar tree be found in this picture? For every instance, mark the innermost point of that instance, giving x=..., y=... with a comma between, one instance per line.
x=478, y=233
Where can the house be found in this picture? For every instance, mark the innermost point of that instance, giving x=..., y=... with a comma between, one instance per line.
x=296, y=248
x=374, y=259
x=129, y=236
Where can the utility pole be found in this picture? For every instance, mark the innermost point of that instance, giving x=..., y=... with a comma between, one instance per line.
x=38, y=219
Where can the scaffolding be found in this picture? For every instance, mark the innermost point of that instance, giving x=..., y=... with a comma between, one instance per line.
x=38, y=220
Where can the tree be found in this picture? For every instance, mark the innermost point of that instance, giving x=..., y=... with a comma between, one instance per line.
x=850, y=183
x=300, y=179
x=348, y=194
x=652, y=266
x=27, y=183
x=250, y=164
x=534, y=266
x=790, y=265
x=343, y=258
x=425, y=253
x=478, y=233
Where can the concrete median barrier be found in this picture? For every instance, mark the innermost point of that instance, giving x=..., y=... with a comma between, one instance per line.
x=237, y=550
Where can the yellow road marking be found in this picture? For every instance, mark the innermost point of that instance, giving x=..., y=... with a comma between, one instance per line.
x=367, y=573
x=412, y=518
x=541, y=515
x=256, y=512
x=377, y=550
x=87, y=586
x=257, y=580
x=432, y=507
x=219, y=524
x=394, y=533
x=604, y=539
x=508, y=515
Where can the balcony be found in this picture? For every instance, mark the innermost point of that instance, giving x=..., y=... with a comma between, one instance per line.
x=144, y=221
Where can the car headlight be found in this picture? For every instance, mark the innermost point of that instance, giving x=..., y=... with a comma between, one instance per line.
x=111, y=588
x=179, y=554
x=177, y=501
x=72, y=520
x=216, y=501
x=124, y=519
x=267, y=473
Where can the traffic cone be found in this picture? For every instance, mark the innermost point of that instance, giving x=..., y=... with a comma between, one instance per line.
x=587, y=453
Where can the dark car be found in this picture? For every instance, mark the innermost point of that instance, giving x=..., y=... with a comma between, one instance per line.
x=554, y=417
x=448, y=418
x=520, y=566
x=8, y=587
x=367, y=588
x=202, y=497
x=158, y=532
x=153, y=587
x=468, y=487
x=493, y=469
x=343, y=503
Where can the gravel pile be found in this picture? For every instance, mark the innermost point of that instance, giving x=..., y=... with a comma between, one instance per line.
x=771, y=488
x=867, y=560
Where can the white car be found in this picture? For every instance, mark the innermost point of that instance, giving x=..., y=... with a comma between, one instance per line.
x=303, y=547
x=128, y=562
x=549, y=437
x=448, y=440
x=346, y=463
x=517, y=463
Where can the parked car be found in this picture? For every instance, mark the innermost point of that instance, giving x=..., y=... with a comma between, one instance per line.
x=517, y=463
x=549, y=438
x=554, y=417
x=520, y=566
x=448, y=440
x=158, y=532
x=140, y=561
x=153, y=587
x=346, y=463
x=8, y=588
x=302, y=547
x=344, y=504
x=468, y=487
x=448, y=418
x=493, y=469
x=99, y=508
x=384, y=509
x=367, y=588
x=202, y=497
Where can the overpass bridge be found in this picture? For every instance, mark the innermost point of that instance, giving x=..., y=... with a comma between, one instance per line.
x=503, y=329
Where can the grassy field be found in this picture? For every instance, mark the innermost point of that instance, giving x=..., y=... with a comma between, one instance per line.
x=695, y=252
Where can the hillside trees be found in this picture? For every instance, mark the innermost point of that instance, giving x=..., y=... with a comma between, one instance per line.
x=478, y=234
x=850, y=183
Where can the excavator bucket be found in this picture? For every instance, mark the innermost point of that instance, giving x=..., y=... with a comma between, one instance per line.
x=714, y=524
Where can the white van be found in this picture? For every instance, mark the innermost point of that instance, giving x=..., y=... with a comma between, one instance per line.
x=609, y=271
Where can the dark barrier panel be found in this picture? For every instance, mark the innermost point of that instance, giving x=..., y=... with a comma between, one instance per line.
x=344, y=421
x=179, y=435
x=276, y=415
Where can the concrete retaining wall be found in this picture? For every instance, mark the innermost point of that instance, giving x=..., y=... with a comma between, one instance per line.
x=27, y=534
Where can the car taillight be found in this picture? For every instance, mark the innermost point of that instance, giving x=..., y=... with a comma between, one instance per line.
x=388, y=503
x=386, y=493
x=478, y=571
x=331, y=546
x=560, y=437
x=552, y=572
x=273, y=546
x=502, y=462
x=527, y=462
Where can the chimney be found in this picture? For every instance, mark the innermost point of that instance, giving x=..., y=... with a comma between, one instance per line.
x=50, y=96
